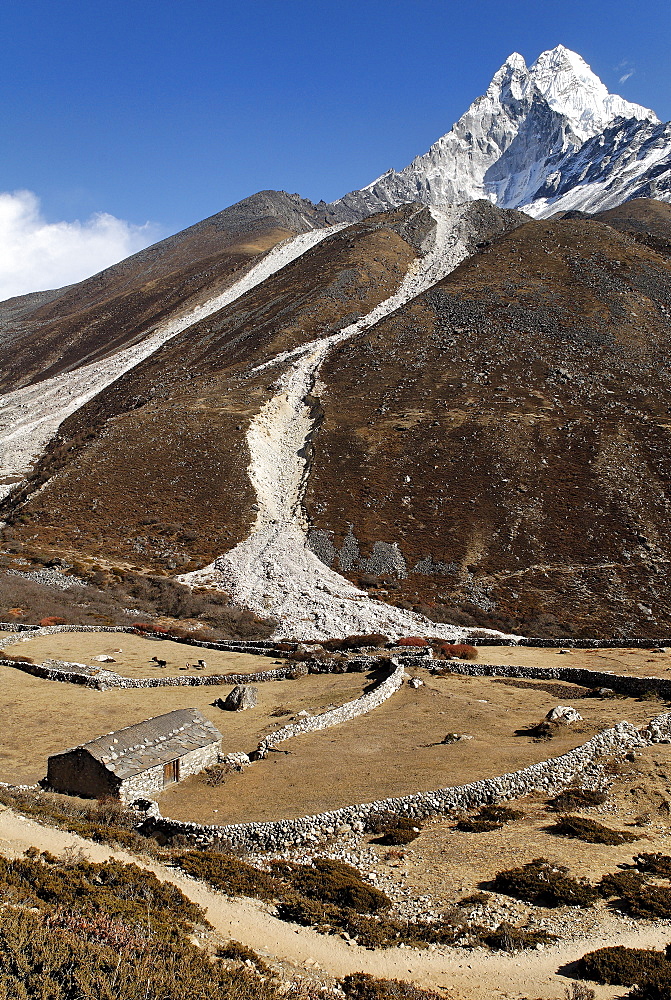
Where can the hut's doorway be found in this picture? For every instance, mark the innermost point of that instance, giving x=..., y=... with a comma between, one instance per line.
x=170, y=772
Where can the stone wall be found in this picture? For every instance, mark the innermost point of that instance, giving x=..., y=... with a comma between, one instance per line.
x=547, y=776
x=621, y=683
x=343, y=713
x=151, y=781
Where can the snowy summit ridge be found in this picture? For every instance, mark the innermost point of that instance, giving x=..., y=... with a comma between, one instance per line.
x=511, y=141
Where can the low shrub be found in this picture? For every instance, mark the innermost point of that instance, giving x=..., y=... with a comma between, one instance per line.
x=393, y=830
x=105, y=821
x=489, y=818
x=361, y=986
x=332, y=882
x=545, y=884
x=654, y=864
x=229, y=874
x=15, y=658
x=37, y=960
x=52, y=620
x=655, y=986
x=619, y=966
x=376, y=639
x=412, y=640
x=592, y=832
x=237, y=952
x=621, y=883
x=576, y=798
x=455, y=651
x=541, y=731
x=651, y=902
x=508, y=937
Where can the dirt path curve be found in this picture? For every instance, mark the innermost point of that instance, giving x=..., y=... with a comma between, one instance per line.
x=463, y=974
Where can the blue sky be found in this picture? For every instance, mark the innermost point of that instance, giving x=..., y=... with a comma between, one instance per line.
x=166, y=112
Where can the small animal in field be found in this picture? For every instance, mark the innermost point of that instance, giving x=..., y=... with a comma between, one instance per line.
x=201, y=665
x=159, y=663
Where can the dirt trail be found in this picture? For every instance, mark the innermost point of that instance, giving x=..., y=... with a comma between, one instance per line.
x=462, y=973
x=273, y=571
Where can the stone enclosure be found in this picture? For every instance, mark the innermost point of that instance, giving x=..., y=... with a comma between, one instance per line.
x=546, y=776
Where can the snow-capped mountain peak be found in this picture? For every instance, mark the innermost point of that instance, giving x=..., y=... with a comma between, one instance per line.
x=569, y=86
x=509, y=144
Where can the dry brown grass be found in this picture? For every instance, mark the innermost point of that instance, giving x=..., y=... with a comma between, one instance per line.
x=133, y=654
x=396, y=750
x=45, y=717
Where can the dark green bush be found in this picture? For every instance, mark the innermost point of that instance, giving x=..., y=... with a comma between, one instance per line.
x=545, y=884
x=235, y=951
x=361, y=986
x=333, y=882
x=651, y=902
x=356, y=642
x=621, y=883
x=576, y=798
x=38, y=962
x=507, y=937
x=229, y=874
x=655, y=986
x=592, y=832
x=654, y=864
x=620, y=966
x=393, y=828
x=489, y=818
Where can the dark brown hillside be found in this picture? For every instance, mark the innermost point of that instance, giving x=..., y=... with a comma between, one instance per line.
x=47, y=333
x=509, y=432
x=152, y=471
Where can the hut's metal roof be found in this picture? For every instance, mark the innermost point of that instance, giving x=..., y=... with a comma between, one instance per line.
x=156, y=741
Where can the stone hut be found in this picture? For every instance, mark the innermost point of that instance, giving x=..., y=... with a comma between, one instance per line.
x=139, y=760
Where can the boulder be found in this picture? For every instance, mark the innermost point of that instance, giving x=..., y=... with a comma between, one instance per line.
x=563, y=713
x=241, y=697
x=103, y=658
x=415, y=682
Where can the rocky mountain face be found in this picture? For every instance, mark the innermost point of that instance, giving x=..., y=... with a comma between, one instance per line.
x=417, y=410
x=460, y=418
x=543, y=138
x=49, y=333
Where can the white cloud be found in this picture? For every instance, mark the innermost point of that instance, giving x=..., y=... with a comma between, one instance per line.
x=626, y=76
x=36, y=254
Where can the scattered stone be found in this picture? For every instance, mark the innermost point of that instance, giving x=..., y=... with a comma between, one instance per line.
x=237, y=760
x=563, y=713
x=103, y=658
x=415, y=682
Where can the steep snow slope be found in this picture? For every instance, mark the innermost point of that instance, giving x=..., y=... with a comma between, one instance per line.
x=505, y=145
x=30, y=417
x=273, y=572
x=630, y=159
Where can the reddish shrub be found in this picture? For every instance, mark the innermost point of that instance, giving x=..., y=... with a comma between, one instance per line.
x=412, y=640
x=52, y=620
x=148, y=627
x=456, y=650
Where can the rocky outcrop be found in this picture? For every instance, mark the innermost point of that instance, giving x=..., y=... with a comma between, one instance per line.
x=242, y=697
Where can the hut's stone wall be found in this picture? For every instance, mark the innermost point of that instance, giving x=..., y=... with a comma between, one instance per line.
x=150, y=782
x=77, y=772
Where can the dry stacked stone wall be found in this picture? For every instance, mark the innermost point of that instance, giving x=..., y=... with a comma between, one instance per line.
x=621, y=683
x=350, y=710
x=547, y=776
